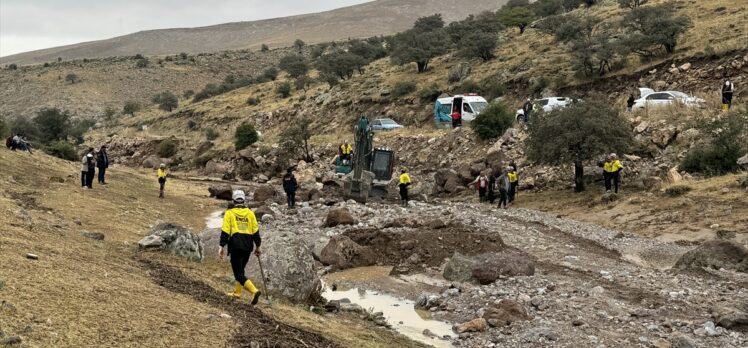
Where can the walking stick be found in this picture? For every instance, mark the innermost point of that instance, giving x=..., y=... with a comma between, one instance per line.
x=264, y=283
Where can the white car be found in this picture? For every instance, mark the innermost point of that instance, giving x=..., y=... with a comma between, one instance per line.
x=547, y=104
x=649, y=98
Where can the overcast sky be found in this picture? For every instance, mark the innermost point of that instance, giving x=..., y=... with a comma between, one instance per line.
x=27, y=25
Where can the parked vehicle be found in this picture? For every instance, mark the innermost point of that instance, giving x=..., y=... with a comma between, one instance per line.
x=649, y=98
x=384, y=124
x=547, y=104
x=468, y=105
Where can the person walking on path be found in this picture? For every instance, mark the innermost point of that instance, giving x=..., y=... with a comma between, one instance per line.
x=727, y=91
x=630, y=103
x=161, y=174
x=241, y=233
x=481, y=183
x=290, y=185
x=404, y=183
x=102, y=162
x=88, y=168
x=612, y=172
x=513, y=182
x=503, y=185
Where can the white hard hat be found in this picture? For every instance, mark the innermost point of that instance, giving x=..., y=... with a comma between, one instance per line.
x=238, y=196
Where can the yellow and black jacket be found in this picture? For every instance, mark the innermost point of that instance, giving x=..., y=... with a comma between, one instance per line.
x=513, y=177
x=404, y=179
x=240, y=230
x=612, y=166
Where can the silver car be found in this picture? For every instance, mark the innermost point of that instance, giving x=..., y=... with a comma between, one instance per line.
x=649, y=98
x=384, y=124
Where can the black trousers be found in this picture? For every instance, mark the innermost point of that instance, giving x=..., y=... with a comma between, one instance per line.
x=456, y=123
x=90, y=177
x=102, y=172
x=612, y=180
x=727, y=99
x=491, y=196
x=503, y=198
x=482, y=193
x=512, y=191
x=83, y=178
x=291, y=198
x=161, y=183
x=404, y=193
x=239, y=260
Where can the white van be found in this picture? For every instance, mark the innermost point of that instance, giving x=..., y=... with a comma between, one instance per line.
x=469, y=105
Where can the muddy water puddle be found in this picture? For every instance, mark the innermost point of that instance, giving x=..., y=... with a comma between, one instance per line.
x=214, y=220
x=400, y=313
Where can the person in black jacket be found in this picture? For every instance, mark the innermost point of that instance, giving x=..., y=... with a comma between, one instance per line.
x=102, y=162
x=630, y=102
x=290, y=185
x=527, y=109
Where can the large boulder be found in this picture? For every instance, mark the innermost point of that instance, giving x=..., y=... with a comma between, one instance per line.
x=743, y=161
x=459, y=268
x=287, y=261
x=221, y=191
x=262, y=211
x=175, y=239
x=715, y=254
x=343, y=253
x=339, y=216
x=475, y=325
x=505, y=312
x=264, y=193
x=504, y=264
x=730, y=317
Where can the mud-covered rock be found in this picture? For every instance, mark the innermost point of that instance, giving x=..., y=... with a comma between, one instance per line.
x=262, y=211
x=506, y=312
x=403, y=221
x=222, y=191
x=459, y=268
x=715, y=254
x=475, y=325
x=175, y=239
x=339, y=216
x=263, y=193
x=730, y=317
x=506, y=264
x=343, y=253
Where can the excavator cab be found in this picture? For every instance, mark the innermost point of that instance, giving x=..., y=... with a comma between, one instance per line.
x=371, y=168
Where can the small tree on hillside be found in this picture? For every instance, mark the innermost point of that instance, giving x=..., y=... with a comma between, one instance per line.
x=283, y=90
x=166, y=101
x=654, y=27
x=478, y=45
x=341, y=64
x=72, y=78
x=725, y=144
x=367, y=50
x=484, y=22
x=302, y=83
x=426, y=40
x=570, y=5
x=492, y=122
x=130, y=108
x=578, y=133
x=519, y=17
x=516, y=3
x=13, y=66
x=295, y=139
x=264, y=48
x=294, y=65
x=545, y=8
x=53, y=124
x=299, y=44
x=245, y=136
x=270, y=74
x=632, y=4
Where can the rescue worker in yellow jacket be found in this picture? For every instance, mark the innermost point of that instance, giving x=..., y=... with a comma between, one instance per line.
x=612, y=172
x=241, y=233
x=513, y=182
x=161, y=174
x=404, y=183
x=345, y=151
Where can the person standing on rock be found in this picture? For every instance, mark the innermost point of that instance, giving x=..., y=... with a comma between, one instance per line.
x=481, y=183
x=504, y=186
x=241, y=233
x=404, y=183
x=88, y=169
x=102, y=162
x=513, y=181
x=727, y=91
x=161, y=174
x=612, y=172
x=290, y=185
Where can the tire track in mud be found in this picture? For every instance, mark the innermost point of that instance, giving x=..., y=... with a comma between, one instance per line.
x=255, y=328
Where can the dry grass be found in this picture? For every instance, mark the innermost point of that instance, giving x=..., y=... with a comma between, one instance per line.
x=88, y=293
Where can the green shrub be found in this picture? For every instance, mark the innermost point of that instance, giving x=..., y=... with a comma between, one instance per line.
x=253, y=101
x=270, y=74
x=246, y=135
x=429, y=93
x=726, y=144
x=677, y=190
x=130, y=108
x=211, y=134
x=12, y=66
x=4, y=129
x=188, y=94
x=142, y=63
x=191, y=124
x=283, y=90
x=230, y=83
x=62, y=149
x=166, y=101
x=53, y=124
x=403, y=88
x=493, y=121
x=167, y=148
x=264, y=48
x=294, y=65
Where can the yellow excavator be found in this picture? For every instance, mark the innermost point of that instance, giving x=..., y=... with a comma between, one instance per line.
x=371, y=168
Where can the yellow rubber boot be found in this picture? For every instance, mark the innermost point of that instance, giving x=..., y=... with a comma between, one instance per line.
x=237, y=291
x=253, y=291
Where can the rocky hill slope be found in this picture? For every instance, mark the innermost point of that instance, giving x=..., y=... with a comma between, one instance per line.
x=381, y=17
